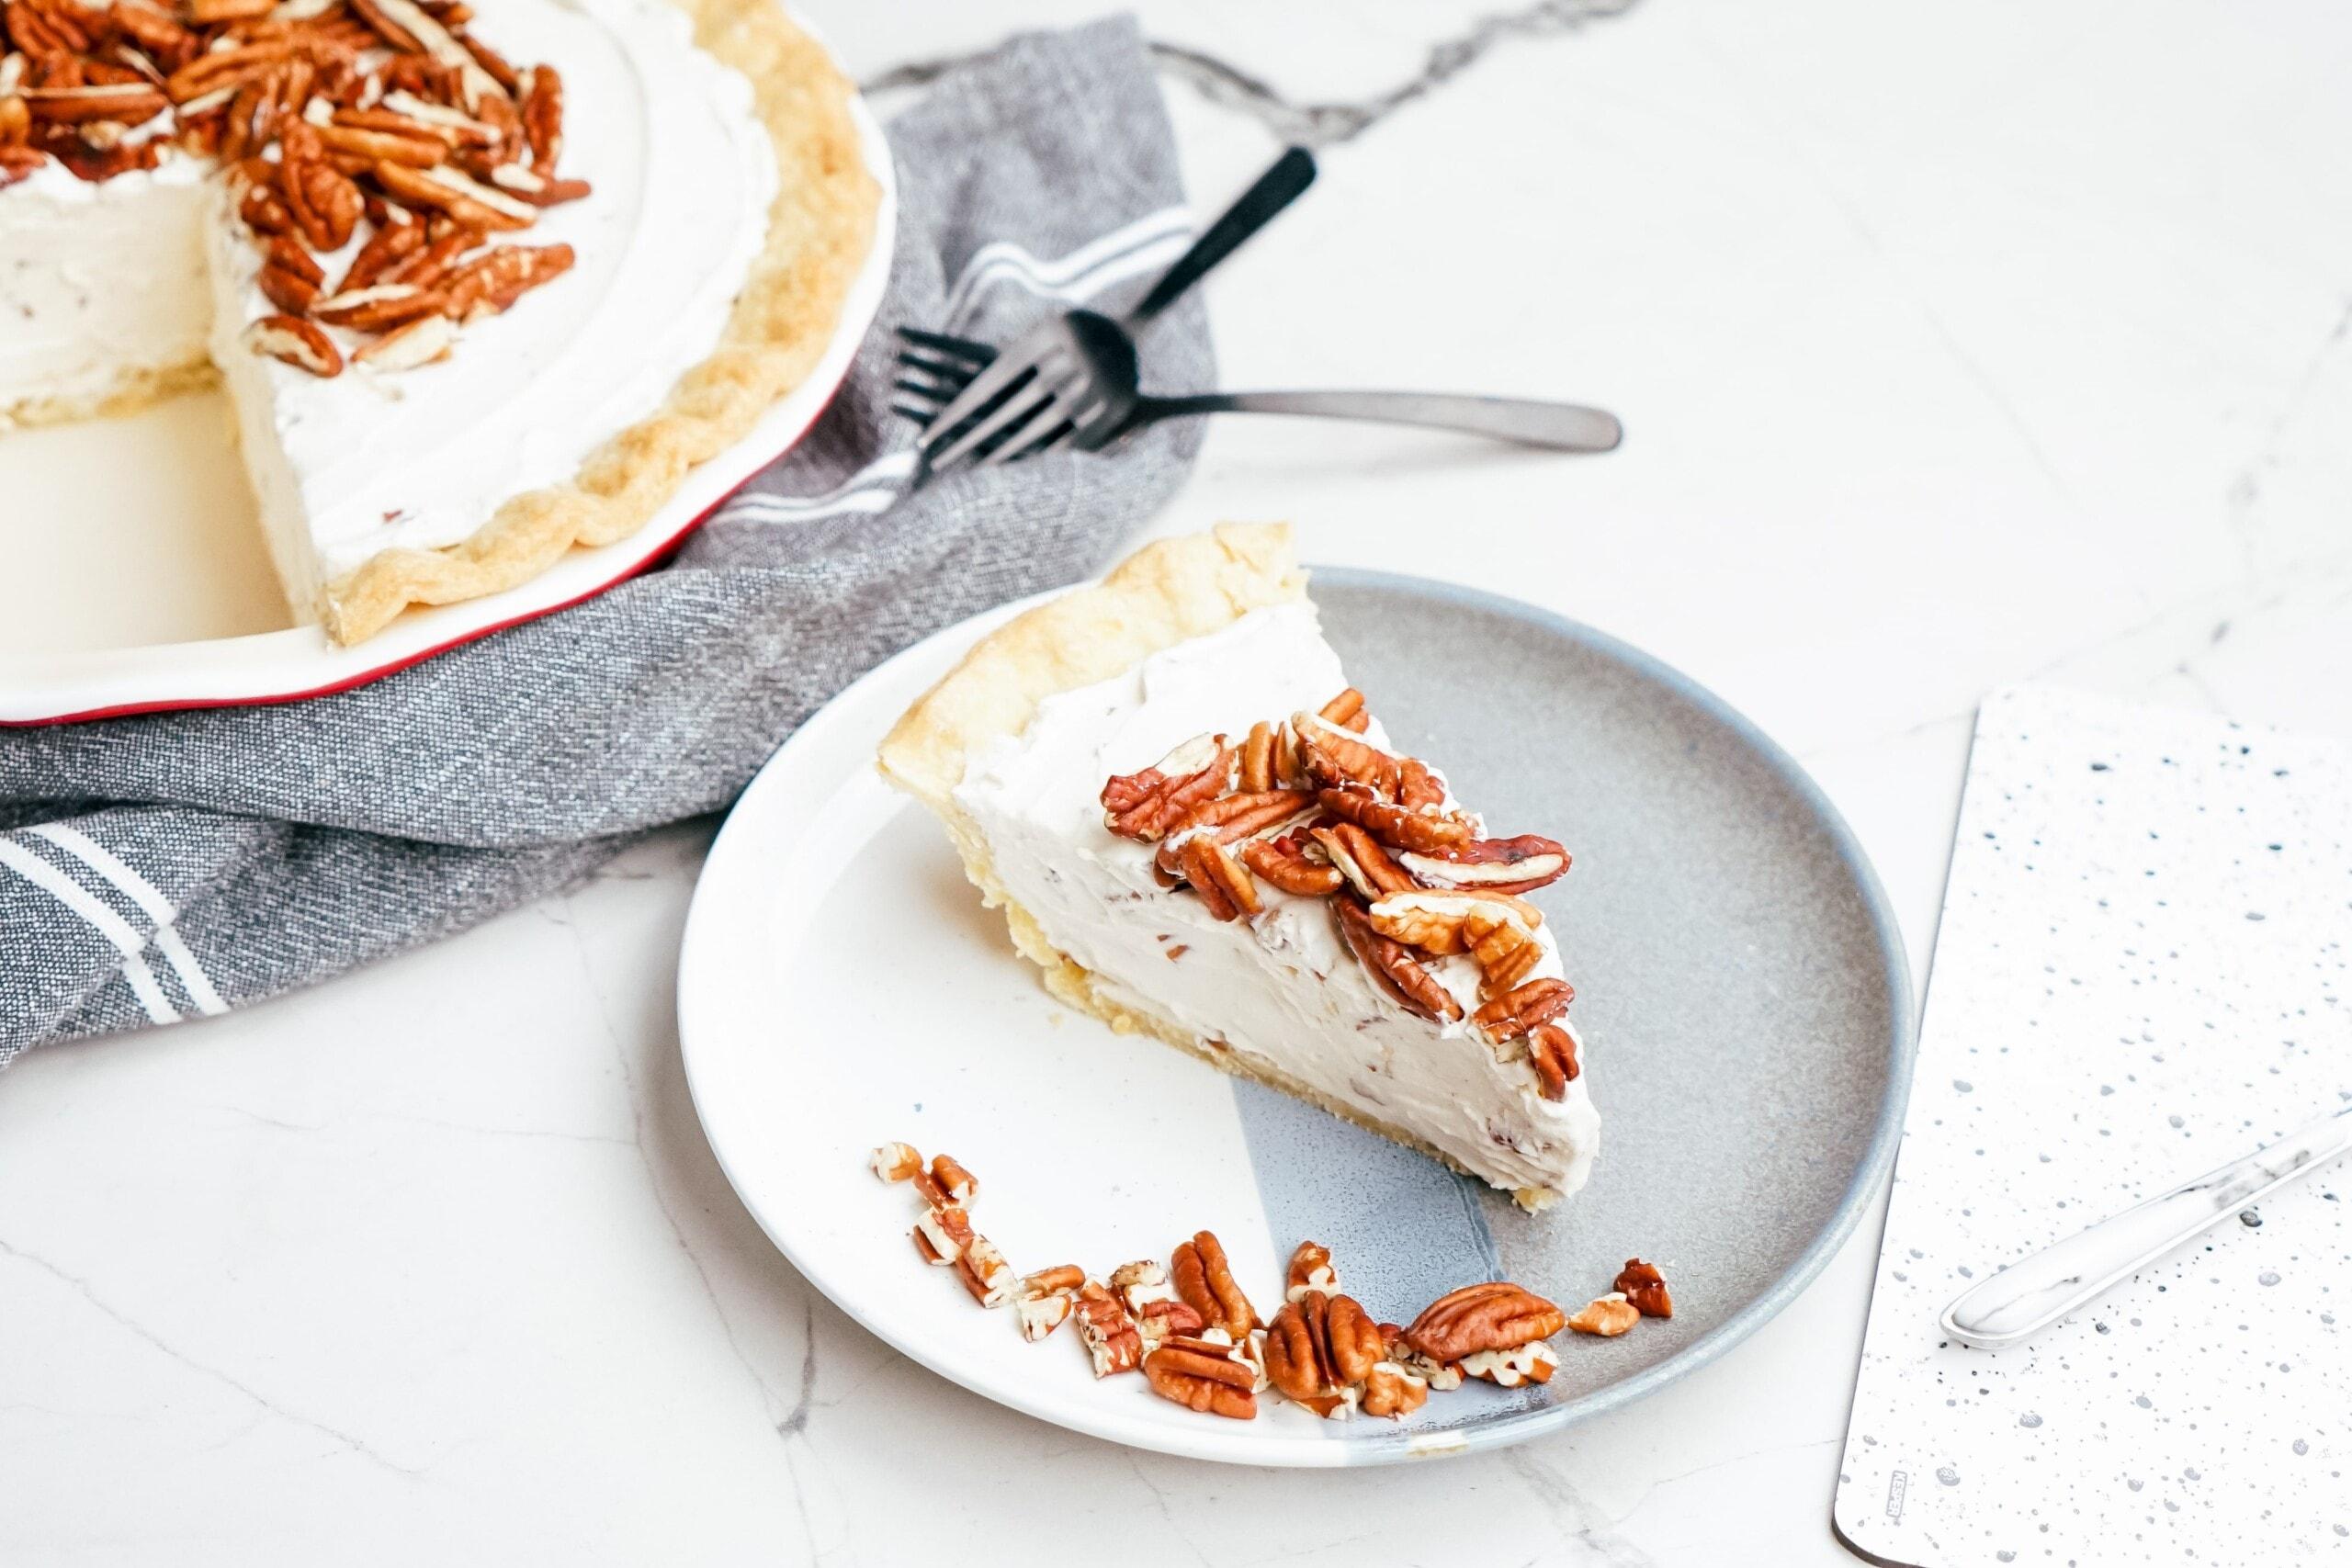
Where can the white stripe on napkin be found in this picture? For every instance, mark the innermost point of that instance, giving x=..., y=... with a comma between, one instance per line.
x=150, y=899
x=1084, y=272
x=116, y=930
x=1148, y=245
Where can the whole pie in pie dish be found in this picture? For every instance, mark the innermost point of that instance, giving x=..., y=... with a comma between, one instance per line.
x=1200, y=832
x=479, y=286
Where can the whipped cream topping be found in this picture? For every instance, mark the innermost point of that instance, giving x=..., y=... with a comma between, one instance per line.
x=1281, y=986
x=100, y=282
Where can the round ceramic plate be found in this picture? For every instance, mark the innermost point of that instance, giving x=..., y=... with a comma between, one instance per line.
x=1741, y=990
x=41, y=686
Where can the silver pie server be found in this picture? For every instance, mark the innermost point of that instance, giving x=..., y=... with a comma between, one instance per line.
x=2030, y=1295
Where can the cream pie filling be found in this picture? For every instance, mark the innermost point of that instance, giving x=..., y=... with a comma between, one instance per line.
x=1280, y=988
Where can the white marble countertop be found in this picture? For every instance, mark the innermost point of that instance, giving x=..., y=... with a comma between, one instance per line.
x=1955, y=347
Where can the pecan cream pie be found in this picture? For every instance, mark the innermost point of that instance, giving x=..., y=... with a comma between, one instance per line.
x=1197, y=829
x=480, y=286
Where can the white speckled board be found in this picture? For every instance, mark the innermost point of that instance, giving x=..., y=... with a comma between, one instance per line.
x=2141, y=973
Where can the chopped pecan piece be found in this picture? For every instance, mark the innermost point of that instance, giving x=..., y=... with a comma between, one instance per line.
x=1111, y=1337
x=1393, y=825
x=942, y=1233
x=1204, y=1376
x=1159, y=1321
x=1497, y=1315
x=1038, y=1316
x=1205, y=1280
x=379, y=306
x=1310, y=1269
x=1392, y=1392
x=1520, y=1009
x=1642, y=1284
x=1532, y=1362
x=1552, y=1052
x=953, y=1179
x=1146, y=804
x=1492, y=865
x=1504, y=947
x=542, y=112
x=1393, y=964
x=1607, y=1316
x=985, y=1274
x=895, y=1162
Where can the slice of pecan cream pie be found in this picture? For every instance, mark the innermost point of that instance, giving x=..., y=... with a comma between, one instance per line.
x=479, y=285
x=1198, y=830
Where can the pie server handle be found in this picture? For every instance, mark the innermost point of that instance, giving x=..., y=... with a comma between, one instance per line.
x=2030, y=1295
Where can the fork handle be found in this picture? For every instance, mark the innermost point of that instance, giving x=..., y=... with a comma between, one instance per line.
x=1563, y=427
x=1251, y=211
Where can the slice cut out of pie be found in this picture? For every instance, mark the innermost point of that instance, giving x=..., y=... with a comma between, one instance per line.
x=1200, y=832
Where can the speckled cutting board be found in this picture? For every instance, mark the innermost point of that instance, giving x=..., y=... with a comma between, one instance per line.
x=2141, y=973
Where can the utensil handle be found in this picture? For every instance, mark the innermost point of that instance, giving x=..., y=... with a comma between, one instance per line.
x=2028, y=1296
x=1564, y=427
x=1275, y=189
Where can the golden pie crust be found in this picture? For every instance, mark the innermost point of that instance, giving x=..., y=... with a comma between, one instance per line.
x=1165, y=593
x=819, y=232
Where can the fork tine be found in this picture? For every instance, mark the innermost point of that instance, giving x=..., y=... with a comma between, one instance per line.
x=1038, y=395
x=979, y=353
x=930, y=384
x=990, y=386
x=1016, y=445
x=922, y=417
x=916, y=393
x=949, y=370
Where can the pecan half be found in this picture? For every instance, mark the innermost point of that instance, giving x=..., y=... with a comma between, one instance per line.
x=1419, y=788
x=1642, y=1284
x=1145, y=804
x=379, y=306
x=421, y=342
x=1392, y=965
x=324, y=203
x=1060, y=1278
x=1203, y=1376
x=1393, y=824
x=1438, y=923
x=297, y=342
x=1520, y=1009
x=1233, y=818
x=1346, y=710
x=1321, y=1345
x=1283, y=861
x=1257, y=757
x=1552, y=1052
x=1607, y=1316
x=542, y=112
x=1310, y=1269
x=1205, y=1280
x=1224, y=884
x=1360, y=859
x=1492, y=865
x=1110, y=1335
x=288, y=291
x=390, y=244
x=1497, y=1315
x=1332, y=758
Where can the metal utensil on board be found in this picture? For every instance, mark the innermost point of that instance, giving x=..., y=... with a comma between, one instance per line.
x=2034, y=1292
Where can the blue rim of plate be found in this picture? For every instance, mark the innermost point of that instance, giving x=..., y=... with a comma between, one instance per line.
x=1877, y=1160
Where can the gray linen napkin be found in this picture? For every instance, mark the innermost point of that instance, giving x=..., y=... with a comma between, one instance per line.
x=159, y=868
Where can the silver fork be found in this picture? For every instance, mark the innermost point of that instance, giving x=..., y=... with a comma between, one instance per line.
x=1007, y=400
